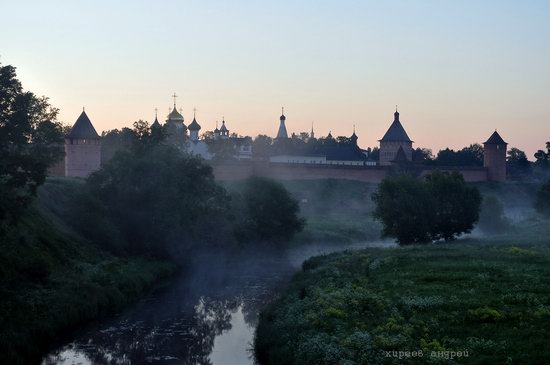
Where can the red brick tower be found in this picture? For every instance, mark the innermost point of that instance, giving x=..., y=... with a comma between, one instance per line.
x=494, y=157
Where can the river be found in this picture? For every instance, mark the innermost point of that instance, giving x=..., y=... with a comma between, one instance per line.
x=206, y=315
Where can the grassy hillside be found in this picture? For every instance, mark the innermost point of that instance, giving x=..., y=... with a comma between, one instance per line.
x=51, y=279
x=489, y=297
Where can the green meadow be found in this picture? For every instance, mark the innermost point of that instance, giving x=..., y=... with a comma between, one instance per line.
x=483, y=300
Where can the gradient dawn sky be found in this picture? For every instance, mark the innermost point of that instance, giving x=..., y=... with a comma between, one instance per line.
x=457, y=69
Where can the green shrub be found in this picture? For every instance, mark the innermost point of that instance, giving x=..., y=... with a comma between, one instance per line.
x=265, y=211
x=414, y=211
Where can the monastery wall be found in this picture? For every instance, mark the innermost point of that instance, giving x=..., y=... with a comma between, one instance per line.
x=373, y=174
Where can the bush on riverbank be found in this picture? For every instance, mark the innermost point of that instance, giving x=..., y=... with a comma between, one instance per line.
x=442, y=206
x=51, y=279
x=265, y=211
x=486, y=298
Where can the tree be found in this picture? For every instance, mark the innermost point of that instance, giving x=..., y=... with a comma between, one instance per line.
x=517, y=164
x=422, y=155
x=456, y=205
x=542, y=202
x=208, y=135
x=222, y=150
x=262, y=145
x=542, y=157
x=374, y=154
x=343, y=140
x=146, y=137
x=405, y=209
x=266, y=211
x=414, y=211
x=115, y=140
x=304, y=136
x=468, y=156
x=161, y=199
x=31, y=140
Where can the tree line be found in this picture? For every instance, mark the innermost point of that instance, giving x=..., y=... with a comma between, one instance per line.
x=149, y=198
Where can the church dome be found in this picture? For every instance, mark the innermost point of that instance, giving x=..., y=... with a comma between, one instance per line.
x=194, y=126
x=175, y=115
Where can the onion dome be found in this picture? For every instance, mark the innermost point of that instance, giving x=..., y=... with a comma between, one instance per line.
x=194, y=126
x=175, y=115
x=155, y=124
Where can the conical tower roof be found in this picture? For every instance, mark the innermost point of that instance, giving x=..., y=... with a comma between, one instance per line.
x=83, y=129
x=495, y=139
x=396, y=132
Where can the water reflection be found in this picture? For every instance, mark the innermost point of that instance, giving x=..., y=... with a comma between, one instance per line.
x=205, y=316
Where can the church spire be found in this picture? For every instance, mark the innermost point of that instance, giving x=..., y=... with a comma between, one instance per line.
x=174, y=96
x=396, y=115
x=354, y=136
x=282, y=133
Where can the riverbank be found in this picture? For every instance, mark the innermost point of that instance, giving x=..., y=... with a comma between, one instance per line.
x=52, y=280
x=487, y=297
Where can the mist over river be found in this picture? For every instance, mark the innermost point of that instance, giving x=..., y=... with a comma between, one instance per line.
x=206, y=315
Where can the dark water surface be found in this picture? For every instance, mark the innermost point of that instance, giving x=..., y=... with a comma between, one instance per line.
x=206, y=315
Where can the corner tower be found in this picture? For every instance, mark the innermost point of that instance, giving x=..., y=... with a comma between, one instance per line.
x=494, y=157
x=395, y=138
x=82, y=148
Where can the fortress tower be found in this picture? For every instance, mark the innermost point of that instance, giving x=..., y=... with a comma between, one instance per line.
x=395, y=139
x=494, y=157
x=82, y=148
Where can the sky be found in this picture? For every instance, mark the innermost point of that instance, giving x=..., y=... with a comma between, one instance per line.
x=457, y=69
